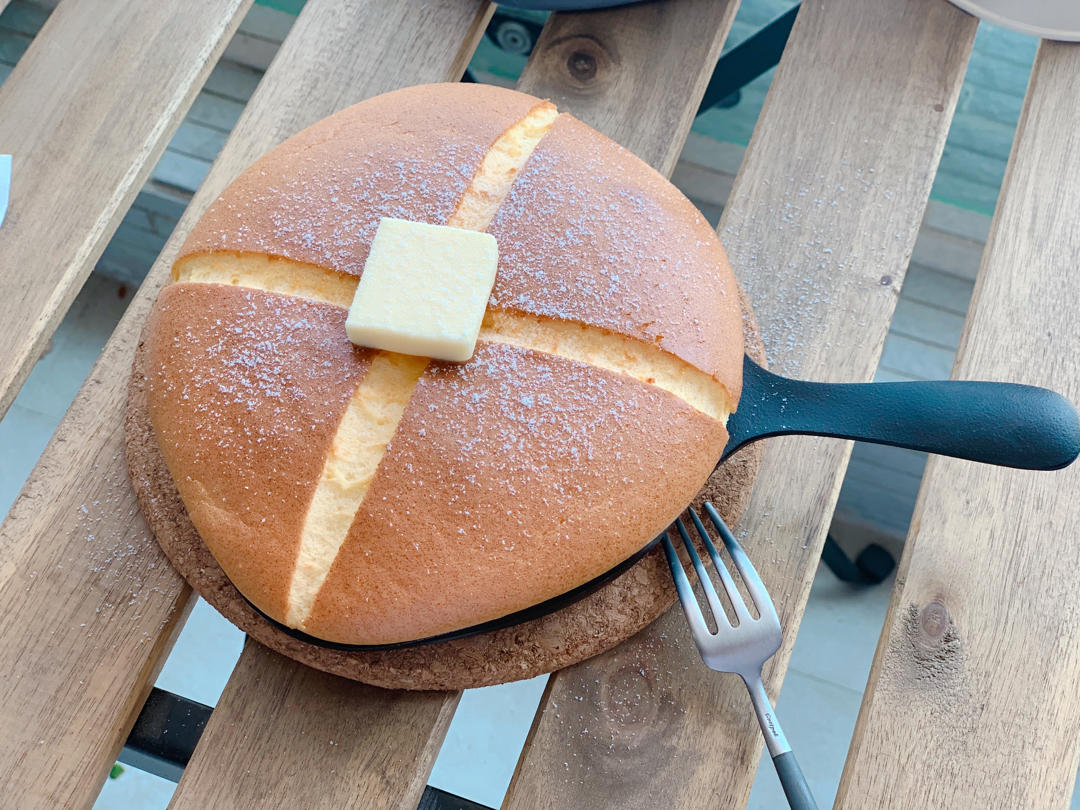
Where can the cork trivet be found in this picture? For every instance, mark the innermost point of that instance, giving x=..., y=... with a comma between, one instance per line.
x=578, y=631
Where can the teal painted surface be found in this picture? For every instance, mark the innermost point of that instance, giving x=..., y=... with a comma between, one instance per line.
x=23, y=17
x=489, y=59
x=288, y=6
x=980, y=139
x=13, y=44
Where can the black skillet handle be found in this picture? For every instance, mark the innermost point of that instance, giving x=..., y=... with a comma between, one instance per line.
x=997, y=423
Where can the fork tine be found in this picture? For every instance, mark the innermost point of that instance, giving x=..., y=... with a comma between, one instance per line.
x=754, y=586
x=706, y=582
x=694, y=617
x=725, y=575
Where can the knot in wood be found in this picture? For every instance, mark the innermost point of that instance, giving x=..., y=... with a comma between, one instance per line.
x=635, y=706
x=934, y=620
x=936, y=651
x=582, y=65
x=628, y=699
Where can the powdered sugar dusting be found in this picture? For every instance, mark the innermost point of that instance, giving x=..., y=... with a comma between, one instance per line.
x=252, y=384
x=511, y=479
x=810, y=263
x=325, y=206
x=114, y=557
x=246, y=355
x=585, y=235
x=319, y=196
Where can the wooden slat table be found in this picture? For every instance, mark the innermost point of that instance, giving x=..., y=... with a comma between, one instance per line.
x=976, y=675
x=826, y=205
x=81, y=666
x=86, y=113
x=820, y=225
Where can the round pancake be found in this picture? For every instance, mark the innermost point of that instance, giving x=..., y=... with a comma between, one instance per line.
x=567, y=636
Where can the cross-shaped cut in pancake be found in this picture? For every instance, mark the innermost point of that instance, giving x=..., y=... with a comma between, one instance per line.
x=592, y=412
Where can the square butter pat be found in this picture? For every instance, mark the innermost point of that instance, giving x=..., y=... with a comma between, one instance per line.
x=424, y=290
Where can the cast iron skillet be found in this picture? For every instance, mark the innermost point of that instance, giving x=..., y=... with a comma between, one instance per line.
x=996, y=423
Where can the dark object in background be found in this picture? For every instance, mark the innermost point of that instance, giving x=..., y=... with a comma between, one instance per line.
x=564, y=5
x=870, y=567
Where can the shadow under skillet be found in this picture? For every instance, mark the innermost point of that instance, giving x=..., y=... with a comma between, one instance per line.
x=518, y=617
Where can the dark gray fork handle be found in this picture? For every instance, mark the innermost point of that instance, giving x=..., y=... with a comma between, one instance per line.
x=996, y=423
x=787, y=768
x=794, y=783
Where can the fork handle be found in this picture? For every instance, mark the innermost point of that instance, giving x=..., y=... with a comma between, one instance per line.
x=787, y=768
x=791, y=776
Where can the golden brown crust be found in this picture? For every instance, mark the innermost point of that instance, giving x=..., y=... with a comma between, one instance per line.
x=318, y=197
x=590, y=233
x=510, y=480
x=317, y=200
x=245, y=390
x=581, y=630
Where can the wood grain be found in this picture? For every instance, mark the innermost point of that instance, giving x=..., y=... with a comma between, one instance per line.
x=286, y=735
x=820, y=225
x=972, y=699
x=607, y=67
x=88, y=604
x=85, y=114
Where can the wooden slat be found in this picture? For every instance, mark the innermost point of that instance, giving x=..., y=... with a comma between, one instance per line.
x=972, y=700
x=86, y=113
x=298, y=737
x=636, y=74
x=88, y=604
x=337, y=742
x=820, y=224
x=285, y=735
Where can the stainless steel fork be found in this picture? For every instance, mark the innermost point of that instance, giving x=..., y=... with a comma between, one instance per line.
x=742, y=648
